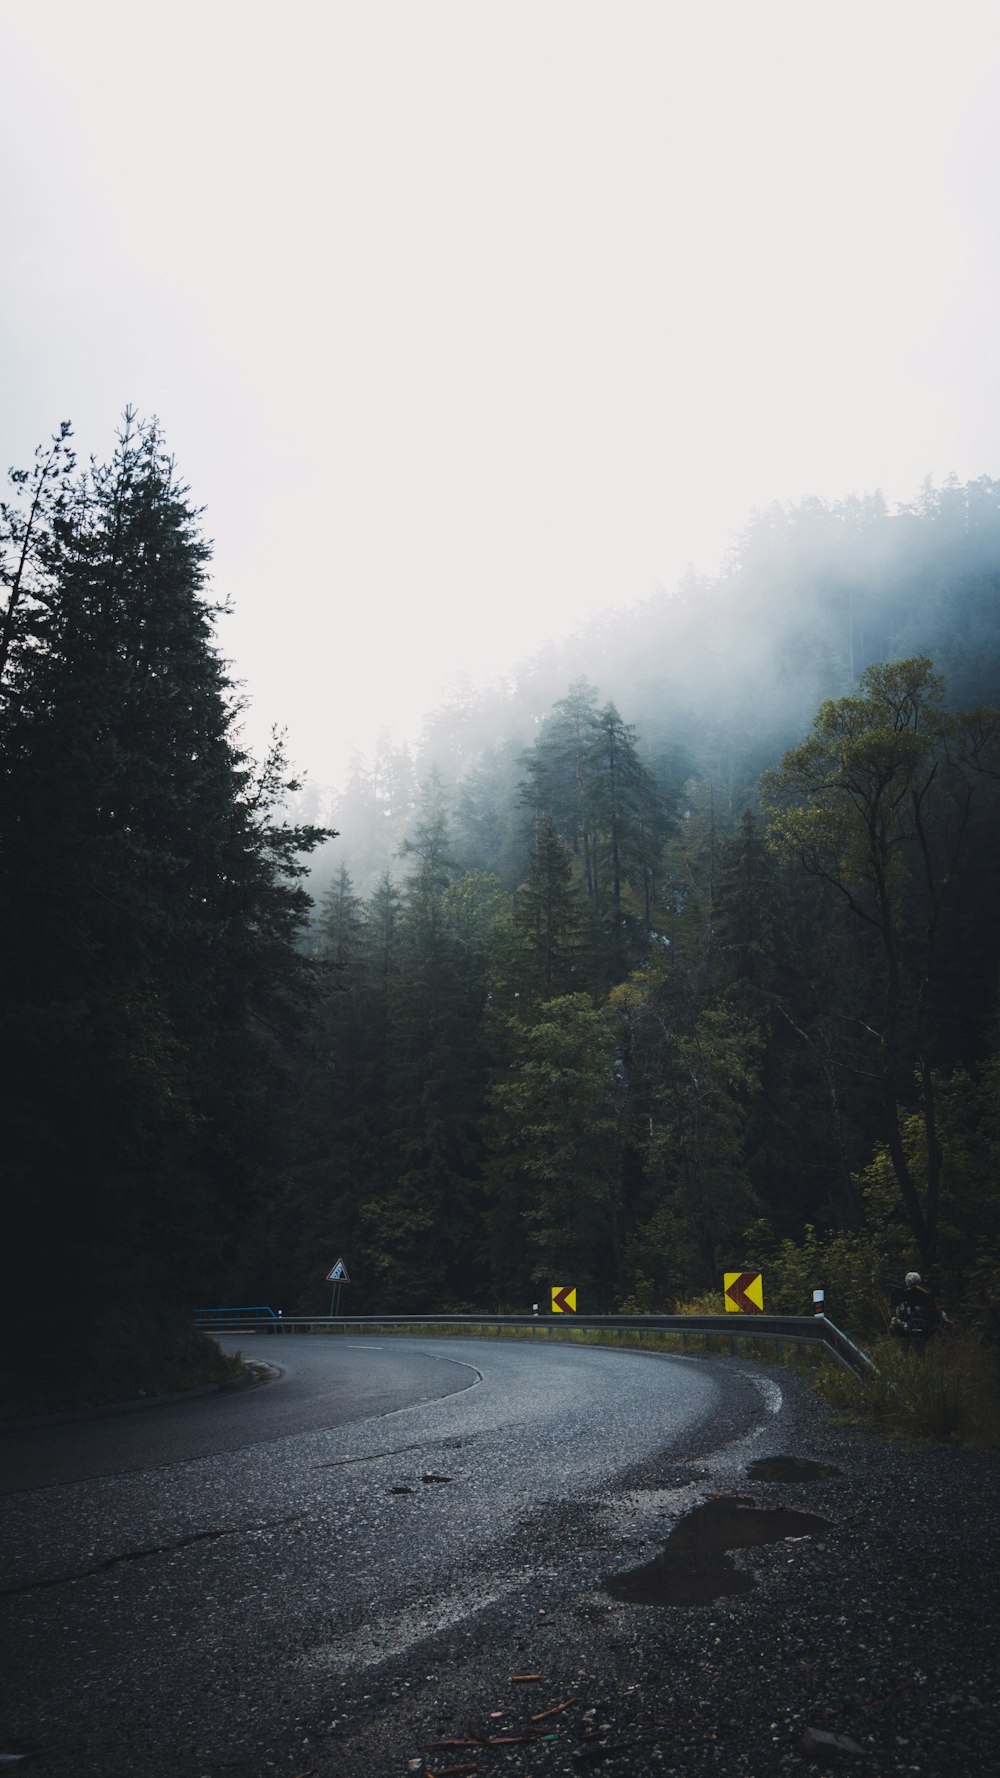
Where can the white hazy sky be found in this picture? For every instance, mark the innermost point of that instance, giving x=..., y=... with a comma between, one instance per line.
x=467, y=318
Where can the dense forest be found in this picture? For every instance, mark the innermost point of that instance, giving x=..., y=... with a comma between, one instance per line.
x=675, y=952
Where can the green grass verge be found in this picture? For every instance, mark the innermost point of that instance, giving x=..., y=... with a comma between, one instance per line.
x=949, y=1391
x=765, y=1351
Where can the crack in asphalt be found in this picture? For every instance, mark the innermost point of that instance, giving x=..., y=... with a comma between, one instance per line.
x=154, y=1549
x=423, y=1444
x=372, y=1456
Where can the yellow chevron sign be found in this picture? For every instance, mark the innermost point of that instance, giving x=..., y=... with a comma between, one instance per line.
x=563, y=1298
x=744, y=1292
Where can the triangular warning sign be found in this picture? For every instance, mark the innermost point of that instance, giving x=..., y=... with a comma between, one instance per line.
x=339, y=1274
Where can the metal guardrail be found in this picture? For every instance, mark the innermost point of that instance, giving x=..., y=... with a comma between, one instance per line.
x=256, y=1312
x=782, y=1330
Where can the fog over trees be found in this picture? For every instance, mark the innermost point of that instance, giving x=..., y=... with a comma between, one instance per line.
x=678, y=944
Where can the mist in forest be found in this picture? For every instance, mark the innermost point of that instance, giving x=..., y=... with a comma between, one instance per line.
x=717, y=677
x=470, y=327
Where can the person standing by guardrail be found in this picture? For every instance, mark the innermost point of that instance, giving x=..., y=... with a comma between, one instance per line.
x=916, y=1315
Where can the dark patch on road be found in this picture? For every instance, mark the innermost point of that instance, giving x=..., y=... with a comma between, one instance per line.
x=404, y=1487
x=790, y=1469
x=694, y=1568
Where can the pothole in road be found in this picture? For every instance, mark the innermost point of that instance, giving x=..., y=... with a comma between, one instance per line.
x=790, y=1469
x=694, y=1568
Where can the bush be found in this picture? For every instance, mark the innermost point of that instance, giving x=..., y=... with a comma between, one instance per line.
x=130, y=1356
x=845, y=1266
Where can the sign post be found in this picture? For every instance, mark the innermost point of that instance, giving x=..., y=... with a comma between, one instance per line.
x=563, y=1299
x=337, y=1277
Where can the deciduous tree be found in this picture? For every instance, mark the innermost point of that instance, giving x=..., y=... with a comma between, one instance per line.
x=877, y=805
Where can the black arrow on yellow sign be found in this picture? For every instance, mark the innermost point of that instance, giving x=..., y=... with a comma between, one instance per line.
x=563, y=1299
x=738, y=1286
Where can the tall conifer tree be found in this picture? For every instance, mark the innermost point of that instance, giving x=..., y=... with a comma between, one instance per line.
x=154, y=899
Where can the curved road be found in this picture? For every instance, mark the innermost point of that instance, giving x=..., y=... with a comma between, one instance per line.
x=218, y=1586
x=321, y=1385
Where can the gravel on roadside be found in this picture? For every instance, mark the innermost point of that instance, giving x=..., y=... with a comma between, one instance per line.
x=868, y=1644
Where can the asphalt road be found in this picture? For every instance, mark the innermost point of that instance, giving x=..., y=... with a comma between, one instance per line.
x=320, y=1387
x=243, y=1584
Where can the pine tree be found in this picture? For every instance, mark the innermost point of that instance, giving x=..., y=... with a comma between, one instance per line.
x=29, y=547
x=340, y=927
x=551, y=920
x=691, y=1072
x=585, y=776
x=781, y=964
x=556, y=783
x=156, y=904
x=629, y=819
x=554, y=1133
x=419, y=1228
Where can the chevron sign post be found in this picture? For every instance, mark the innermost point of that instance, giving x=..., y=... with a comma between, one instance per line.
x=563, y=1299
x=744, y=1292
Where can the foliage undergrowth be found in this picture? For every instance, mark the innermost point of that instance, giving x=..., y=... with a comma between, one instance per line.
x=949, y=1390
x=129, y=1358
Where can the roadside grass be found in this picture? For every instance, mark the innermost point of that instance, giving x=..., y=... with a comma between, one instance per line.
x=948, y=1391
x=766, y=1351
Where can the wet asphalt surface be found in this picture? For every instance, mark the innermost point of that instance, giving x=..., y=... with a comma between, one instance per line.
x=207, y=1577
x=318, y=1388
x=278, y=1582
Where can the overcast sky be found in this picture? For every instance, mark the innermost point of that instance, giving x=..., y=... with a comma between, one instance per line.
x=465, y=319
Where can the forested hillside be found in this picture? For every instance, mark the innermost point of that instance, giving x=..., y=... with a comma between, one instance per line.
x=675, y=947
x=718, y=676
x=629, y=982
